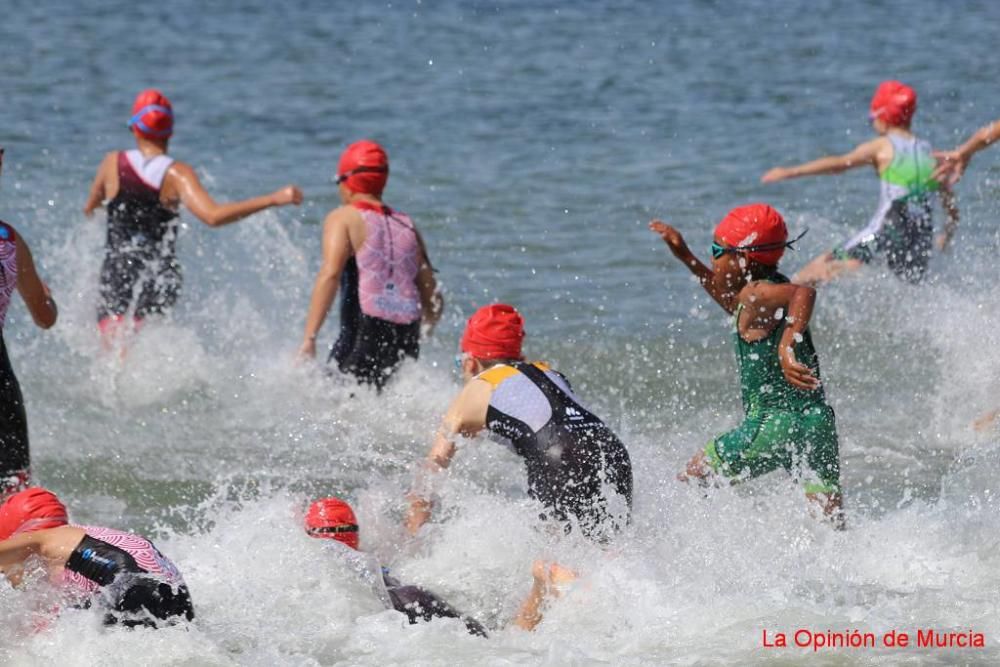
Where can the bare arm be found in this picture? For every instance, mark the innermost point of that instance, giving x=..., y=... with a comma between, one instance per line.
x=431, y=301
x=13, y=553
x=336, y=252
x=31, y=288
x=214, y=214
x=705, y=275
x=864, y=155
x=952, y=164
x=950, y=205
x=97, y=193
x=466, y=416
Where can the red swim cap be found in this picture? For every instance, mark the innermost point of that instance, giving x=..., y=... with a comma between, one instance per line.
x=32, y=509
x=152, y=115
x=332, y=519
x=753, y=226
x=894, y=102
x=364, y=168
x=494, y=332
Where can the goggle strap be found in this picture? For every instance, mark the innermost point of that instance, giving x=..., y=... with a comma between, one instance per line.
x=347, y=528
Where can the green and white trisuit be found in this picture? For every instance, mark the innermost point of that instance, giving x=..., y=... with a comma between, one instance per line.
x=783, y=426
x=902, y=227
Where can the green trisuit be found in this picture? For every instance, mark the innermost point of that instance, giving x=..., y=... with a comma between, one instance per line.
x=783, y=426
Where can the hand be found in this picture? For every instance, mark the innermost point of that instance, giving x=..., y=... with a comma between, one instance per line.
x=307, y=351
x=287, y=195
x=417, y=516
x=798, y=375
x=671, y=237
x=950, y=166
x=775, y=175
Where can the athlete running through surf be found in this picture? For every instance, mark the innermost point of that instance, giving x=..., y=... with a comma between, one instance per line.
x=121, y=574
x=17, y=273
x=577, y=467
x=787, y=422
x=142, y=190
x=902, y=228
x=377, y=258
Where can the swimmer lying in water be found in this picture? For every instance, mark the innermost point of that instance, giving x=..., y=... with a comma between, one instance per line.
x=333, y=519
x=122, y=574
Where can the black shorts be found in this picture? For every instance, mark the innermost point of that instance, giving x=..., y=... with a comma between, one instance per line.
x=372, y=349
x=421, y=605
x=145, y=601
x=138, y=283
x=14, y=456
x=905, y=240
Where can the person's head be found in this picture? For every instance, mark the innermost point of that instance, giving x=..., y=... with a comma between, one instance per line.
x=32, y=509
x=893, y=105
x=748, y=244
x=363, y=170
x=493, y=335
x=152, y=117
x=332, y=519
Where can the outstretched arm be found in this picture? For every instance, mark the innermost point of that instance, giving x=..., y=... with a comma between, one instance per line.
x=466, y=416
x=97, y=194
x=952, y=164
x=336, y=252
x=865, y=154
x=705, y=275
x=214, y=214
x=33, y=291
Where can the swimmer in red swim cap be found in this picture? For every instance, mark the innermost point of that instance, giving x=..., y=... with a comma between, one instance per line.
x=377, y=259
x=143, y=190
x=122, y=574
x=787, y=422
x=577, y=467
x=901, y=231
x=333, y=519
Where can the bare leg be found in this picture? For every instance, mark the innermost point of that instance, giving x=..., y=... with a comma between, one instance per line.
x=697, y=469
x=986, y=421
x=832, y=506
x=547, y=578
x=825, y=268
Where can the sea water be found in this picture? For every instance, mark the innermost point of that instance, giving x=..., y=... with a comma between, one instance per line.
x=532, y=143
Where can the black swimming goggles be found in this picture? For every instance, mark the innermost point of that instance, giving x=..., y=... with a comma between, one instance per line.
x=719, y=250
x=360, y=170
x=326, y=530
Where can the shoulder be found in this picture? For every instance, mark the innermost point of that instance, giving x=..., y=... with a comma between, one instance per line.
x=110, y=160
x=183, y=169
x=341, y=217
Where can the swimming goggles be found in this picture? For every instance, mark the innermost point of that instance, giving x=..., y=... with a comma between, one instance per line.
x=136, y=120
x=325, y=530
x=360, y=170
x=719, y=250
